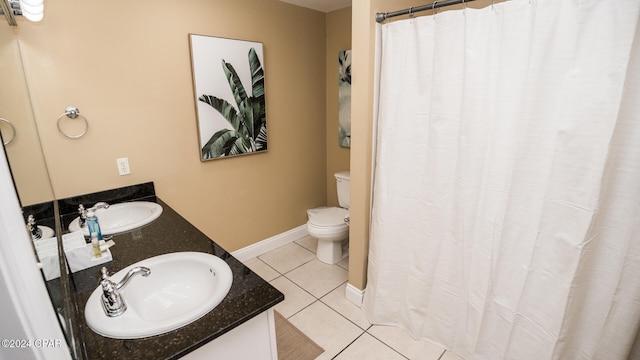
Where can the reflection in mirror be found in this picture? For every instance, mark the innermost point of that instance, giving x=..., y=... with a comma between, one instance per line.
x=29, y=169
x=24, y=152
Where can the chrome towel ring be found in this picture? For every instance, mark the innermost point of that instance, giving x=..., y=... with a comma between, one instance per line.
x=72, y=112
x=13, y=129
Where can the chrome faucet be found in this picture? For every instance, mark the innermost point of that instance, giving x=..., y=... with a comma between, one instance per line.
x=83, y=212
x=100, y=205
x=34, y=230
x=83, y=215
x=112, y=302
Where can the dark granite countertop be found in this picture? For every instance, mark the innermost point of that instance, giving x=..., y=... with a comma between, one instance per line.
x=249, y=296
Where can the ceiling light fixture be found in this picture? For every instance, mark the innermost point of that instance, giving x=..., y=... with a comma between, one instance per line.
x=32, y=10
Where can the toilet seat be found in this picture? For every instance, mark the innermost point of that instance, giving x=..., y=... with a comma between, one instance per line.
x=336, y=231
x=331, y=217
x=328, y=225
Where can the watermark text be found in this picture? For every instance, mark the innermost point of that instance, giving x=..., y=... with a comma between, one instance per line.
x=29, y=343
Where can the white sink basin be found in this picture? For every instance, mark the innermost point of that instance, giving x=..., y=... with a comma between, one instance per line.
x=122, y=217
x=181, y=288
x=47, y=232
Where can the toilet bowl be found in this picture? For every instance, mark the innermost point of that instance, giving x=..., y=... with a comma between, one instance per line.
x=330, y=226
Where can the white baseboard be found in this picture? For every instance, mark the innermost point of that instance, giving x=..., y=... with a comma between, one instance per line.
x=354, y=295
x=271, y=243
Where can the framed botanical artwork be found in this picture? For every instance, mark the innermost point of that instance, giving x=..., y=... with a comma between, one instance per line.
x=228, y=81
x=344, y=94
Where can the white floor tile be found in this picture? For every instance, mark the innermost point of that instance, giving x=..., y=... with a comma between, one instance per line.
x=398, y=339
x=337, y=301
x=450, y=356
x=287, y=257
x=262, y=269
x=295, y=299
x=326, y=327
x=344, y=263
x=308, y=242
x=370, y=348
x=333, y=322
x=317, y=277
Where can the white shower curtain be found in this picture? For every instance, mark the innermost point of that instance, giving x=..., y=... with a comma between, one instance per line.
x=506, y=196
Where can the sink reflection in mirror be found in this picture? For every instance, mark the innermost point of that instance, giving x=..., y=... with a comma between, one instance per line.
x=118, y=218
x=38, y=232
x=45, y=232
x=180, y=288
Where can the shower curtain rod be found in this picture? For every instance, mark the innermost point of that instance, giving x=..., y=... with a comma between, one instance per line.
x=380, y=17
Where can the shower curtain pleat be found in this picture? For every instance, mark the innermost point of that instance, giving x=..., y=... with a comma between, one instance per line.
x=506, y=198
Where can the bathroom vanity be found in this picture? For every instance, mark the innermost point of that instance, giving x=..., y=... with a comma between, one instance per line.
x=241, y=326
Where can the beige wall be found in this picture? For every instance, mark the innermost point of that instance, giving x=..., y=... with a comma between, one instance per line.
x=362, y=40
x=127, y=68
x=338, y=38
x=27, y=164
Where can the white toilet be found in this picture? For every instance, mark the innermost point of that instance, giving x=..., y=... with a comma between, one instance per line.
x=330, y=225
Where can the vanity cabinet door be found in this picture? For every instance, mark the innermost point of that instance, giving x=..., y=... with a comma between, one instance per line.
x=255, y=339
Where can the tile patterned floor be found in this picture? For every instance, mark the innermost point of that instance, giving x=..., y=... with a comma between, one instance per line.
x=317, y=306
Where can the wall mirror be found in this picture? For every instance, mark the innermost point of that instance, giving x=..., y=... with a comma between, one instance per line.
x=24, y=151
x=26, y=157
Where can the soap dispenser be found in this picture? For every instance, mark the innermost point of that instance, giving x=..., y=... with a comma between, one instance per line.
x=93, y=224
x=94, y=233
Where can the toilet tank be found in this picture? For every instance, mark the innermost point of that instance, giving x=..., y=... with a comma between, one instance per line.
x=343, y=179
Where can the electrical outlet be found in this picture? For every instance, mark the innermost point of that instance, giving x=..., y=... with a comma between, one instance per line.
x=123, y=166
